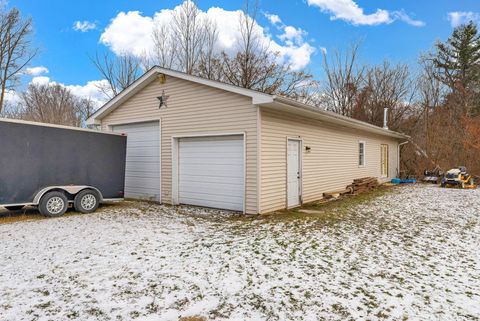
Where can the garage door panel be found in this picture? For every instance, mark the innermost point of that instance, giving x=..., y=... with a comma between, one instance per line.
x=143, y=138
x=207, y=164
x=140, y=161
x=213, y=159
x=141, y=174
x=221, y=174
x=230, y=152
x=141, y=193
x=142, y=182
x=209, y=179
x=142, y=167
x=201, y=165
x=143, y=152
x=144, y=143
x=207, y=149
x=211, y=172
x=142, y=170
x=214, y=189
x=211, y=200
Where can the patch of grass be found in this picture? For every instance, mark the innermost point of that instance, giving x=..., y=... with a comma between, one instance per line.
x=345, y=203
x=340, y=309
x=32, y=214
x=134, y=314
x=44, y=305
x=27, y=214
x=73, y=315
x=193, y=318
x=329, y=211
x=95, y=312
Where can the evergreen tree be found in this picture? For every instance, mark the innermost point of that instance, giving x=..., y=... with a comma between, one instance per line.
x=458, y=58
x=457, y=63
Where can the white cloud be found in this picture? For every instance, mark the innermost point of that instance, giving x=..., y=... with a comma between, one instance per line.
x=131, y=32
x=292, y=35
x=402, y=16
x=350, y=11
x=35, y=71
x=90, y=91
x=84, y=26
x=458, y=18
x=273, y=18
x=40, y=80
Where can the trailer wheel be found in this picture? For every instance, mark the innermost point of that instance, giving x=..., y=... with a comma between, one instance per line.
x=14, y=208
x=53, y=204
x=86, y=201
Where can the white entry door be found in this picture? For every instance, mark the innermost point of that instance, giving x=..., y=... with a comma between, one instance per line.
x=211, y=172
x=293, y=173
x=142, y=171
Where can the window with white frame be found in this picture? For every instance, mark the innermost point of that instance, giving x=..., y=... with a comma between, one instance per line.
x=361, y=154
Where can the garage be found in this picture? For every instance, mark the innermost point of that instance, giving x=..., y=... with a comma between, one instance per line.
x=211, y=172
x=142, y=173
x=225, y=146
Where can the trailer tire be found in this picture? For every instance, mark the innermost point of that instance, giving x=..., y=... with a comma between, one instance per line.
x=53, y=204
x=86, y=201
x=14, y=208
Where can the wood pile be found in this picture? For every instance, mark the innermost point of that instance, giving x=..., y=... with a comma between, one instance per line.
x=361, y=185
x=337, y=194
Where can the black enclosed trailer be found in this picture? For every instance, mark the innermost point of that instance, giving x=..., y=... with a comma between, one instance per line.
x=52, y=166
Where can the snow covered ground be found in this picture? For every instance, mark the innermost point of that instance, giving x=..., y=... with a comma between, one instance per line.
x=409, y=255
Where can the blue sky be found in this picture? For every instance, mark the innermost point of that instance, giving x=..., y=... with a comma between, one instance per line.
x=398, y=29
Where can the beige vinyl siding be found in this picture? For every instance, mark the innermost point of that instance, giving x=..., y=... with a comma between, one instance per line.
x=193, y=109
x=331, y=164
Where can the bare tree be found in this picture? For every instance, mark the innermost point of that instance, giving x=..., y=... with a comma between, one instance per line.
x=189, y=32
x=255, y=66
x=209, y=61
x=15, y=49
x=252, y=65
x=55, y=104
x=345, y=78
x=390, y=87
x=165, y=47
x=119, y=71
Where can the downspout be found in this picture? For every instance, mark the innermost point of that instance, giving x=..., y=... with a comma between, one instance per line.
x=398, y=156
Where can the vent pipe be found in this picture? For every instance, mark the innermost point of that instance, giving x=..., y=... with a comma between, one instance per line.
x=385, y=118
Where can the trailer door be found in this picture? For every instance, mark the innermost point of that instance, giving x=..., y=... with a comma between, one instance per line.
x=142, y=173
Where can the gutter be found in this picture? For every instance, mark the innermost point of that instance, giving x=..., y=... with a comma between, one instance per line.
x=347, y=121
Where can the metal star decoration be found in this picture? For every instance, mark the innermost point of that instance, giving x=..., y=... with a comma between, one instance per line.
x=162, y=99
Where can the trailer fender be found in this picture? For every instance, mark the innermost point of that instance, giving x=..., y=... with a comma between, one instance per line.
x=71, y=189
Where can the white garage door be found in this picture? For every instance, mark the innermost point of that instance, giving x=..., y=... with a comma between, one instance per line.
x=142, y=173
x=211, y=172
